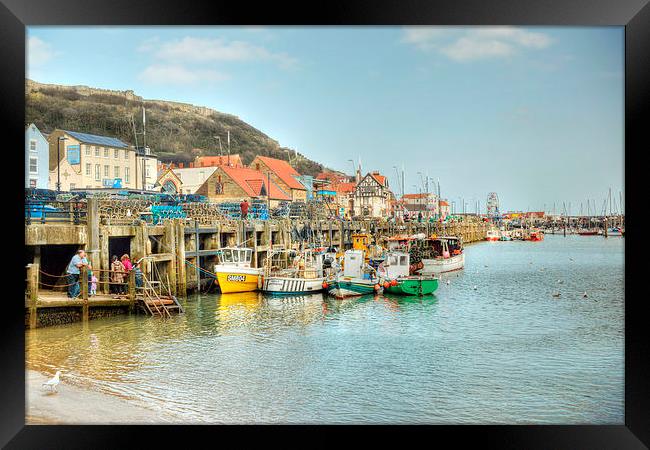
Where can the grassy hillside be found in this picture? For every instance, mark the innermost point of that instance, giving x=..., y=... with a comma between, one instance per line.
x=175, y=131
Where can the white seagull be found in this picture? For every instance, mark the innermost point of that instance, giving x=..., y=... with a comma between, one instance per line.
x=448, y=282
x=52, y=383
x=584, y=294
x=475, y=287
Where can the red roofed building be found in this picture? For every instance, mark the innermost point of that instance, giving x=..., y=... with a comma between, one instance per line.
x=226, y=183
x=444, y=208
x=282, y=174
x=210, y=161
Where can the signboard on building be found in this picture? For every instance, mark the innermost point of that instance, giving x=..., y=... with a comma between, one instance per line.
x=74, y=154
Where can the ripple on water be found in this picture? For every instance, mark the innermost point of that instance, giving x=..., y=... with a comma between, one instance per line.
x=507, y=352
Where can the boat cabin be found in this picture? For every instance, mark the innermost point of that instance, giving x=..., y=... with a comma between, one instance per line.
x=396, y=265
x=235, y=256
x=353, y=264
x=445, y=247
x=360, y=241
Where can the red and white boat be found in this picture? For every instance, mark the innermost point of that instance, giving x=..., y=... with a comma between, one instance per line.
x=493, y=235
x=536, y=236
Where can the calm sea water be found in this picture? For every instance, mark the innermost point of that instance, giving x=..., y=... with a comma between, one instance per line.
x=492, y=346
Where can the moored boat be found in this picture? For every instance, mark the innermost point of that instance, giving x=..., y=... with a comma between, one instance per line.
x=356, y=278
x=536, y=235
x=492, y=235
x=448, y=256
x=305, y=273
x=398, y=278
x=234, y=272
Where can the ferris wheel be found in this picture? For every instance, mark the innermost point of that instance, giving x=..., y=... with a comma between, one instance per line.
x=493, y=205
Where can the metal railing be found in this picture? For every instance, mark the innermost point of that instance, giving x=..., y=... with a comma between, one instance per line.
x=55, y=212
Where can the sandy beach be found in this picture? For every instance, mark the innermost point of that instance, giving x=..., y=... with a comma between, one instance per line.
x=76, y=405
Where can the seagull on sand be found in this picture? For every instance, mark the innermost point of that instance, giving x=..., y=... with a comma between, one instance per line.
x=53, y=382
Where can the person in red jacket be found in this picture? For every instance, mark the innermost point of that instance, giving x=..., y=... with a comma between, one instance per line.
x=244, y=208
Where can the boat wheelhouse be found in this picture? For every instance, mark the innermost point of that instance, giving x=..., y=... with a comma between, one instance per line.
x=399, y=276
x=356, y=278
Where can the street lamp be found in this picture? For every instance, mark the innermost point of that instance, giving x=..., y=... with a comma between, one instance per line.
x=58, y=163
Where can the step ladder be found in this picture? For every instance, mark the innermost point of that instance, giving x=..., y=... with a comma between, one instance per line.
x=154, y=303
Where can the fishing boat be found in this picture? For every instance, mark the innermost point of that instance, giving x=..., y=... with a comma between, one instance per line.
x=445, y=255
x=399, y=279
x=492, y=235
x=505, y=236
x=615, y=231
x=536, y=235
x=304, y=272
x=356, y=277
x=588, y=233
x=234, y=272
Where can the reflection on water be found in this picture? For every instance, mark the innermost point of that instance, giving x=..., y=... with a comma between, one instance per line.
x=505, y=352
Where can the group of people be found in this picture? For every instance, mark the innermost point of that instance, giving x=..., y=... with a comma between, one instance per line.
x=120, y=268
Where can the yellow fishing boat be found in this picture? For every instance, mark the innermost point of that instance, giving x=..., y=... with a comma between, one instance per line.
x=234, y=272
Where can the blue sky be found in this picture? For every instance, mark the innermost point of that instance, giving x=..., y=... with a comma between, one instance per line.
x=535, y=114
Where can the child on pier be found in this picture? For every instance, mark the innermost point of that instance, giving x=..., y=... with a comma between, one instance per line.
x=93, y=283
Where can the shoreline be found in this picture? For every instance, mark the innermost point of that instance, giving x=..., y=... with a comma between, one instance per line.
x=74, y=405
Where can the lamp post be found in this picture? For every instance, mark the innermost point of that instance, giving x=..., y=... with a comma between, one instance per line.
x=58, y=162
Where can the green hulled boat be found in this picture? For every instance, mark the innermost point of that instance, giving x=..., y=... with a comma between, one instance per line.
x=415, y=285
x=396, y=271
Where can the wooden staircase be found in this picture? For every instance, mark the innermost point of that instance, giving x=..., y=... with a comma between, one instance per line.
x=154, y=302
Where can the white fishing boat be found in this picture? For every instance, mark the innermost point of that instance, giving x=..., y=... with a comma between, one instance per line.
x=302, y=272
x=493, y=235
x=448, y=256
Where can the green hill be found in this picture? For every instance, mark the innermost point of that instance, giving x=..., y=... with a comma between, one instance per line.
x=175, y=131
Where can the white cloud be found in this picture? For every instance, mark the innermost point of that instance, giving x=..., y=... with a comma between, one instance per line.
x=204, y=50
x=474, y=43
x=177, y=74
x=39, y=52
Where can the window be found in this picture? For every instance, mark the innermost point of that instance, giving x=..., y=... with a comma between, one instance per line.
x=33, y=165
x=87, y=150
x=32, y=145
x=97, y=151
x=88, y=169
x=116, y=153
x=116, y=171
x=146, y=171
x=32, y=182
x=106, y=171
x=105, y=153
x=126, y=154
x=126, y=174
x=98, y=174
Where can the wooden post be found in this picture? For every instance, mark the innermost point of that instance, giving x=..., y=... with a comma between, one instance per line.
x=83, y=275
x=32, y=286
x=132, y=290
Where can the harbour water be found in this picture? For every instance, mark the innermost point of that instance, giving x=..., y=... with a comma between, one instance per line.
x=494, y=345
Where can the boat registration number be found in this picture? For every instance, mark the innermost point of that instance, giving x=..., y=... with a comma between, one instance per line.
x=236, y=277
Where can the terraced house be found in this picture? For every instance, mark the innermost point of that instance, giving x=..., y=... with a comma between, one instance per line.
x=82, y=160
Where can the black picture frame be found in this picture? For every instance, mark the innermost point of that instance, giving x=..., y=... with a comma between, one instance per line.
x=15, y=15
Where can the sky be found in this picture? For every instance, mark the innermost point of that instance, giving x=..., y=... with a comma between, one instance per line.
x=534, y=114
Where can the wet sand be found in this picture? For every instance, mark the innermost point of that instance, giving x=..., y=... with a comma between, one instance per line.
x=76, y=405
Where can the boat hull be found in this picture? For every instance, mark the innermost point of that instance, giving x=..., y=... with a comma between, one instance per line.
x=436, y=266
x=413, y=286
x=289, y=285
x=233, y=279
x=351, y=287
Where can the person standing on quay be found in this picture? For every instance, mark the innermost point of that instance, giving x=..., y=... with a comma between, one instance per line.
x=76, y=263
x=118, y=272
x=244, y=209
x=126, y=262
